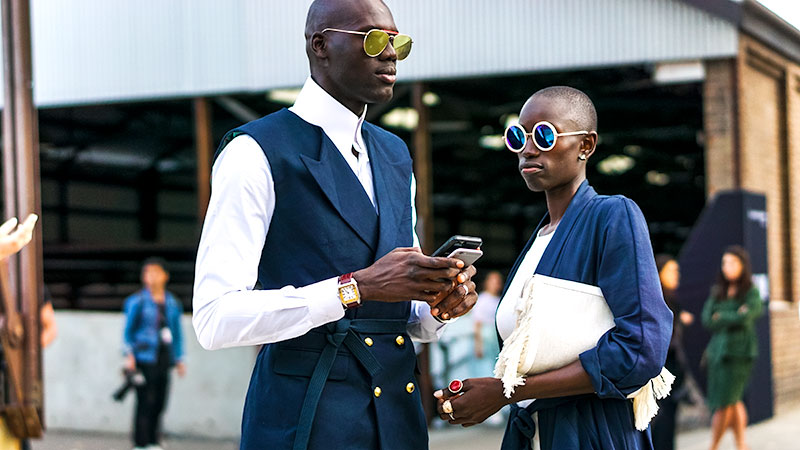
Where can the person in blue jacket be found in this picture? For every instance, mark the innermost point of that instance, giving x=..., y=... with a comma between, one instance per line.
x=589, y=238
x=153, y=345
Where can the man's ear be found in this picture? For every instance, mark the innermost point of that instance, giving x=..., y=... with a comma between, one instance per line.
x=589, y=143
x=318, y=45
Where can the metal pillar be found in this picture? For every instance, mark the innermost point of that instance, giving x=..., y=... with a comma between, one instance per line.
x=21, y=182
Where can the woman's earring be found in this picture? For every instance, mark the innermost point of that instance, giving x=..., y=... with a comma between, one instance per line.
x=582, y=157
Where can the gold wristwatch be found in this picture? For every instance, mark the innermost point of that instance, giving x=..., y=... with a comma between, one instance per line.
x=348, y=291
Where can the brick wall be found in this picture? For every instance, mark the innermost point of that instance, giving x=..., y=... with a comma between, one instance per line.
x=785, y=328
x=762, y=137
x=752, y=127
x=719, y=124
x=793, y=145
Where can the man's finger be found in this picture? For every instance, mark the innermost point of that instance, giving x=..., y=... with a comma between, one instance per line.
x=450, y=273
x=406, y=250
x=456, y=297
x=465, y=306
x=462, y=308
x=439, y=262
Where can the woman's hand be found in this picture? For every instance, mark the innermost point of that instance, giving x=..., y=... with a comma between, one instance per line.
x=13, y=237
x=479, y=399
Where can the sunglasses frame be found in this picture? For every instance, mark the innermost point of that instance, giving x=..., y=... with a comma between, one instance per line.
x=525, y=134
x=391, y=34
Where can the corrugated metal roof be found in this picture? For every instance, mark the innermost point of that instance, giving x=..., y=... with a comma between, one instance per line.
x=90, y=51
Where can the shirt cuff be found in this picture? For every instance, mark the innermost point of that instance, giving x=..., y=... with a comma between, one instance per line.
x=422, y=326
x=329, y=307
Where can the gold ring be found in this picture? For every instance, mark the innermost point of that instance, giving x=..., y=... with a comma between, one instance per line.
x=447, y=407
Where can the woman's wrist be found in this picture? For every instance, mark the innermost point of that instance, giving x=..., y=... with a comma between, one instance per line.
x=520, y=393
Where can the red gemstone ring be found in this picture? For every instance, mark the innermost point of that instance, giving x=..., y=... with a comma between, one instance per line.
x=455, y=386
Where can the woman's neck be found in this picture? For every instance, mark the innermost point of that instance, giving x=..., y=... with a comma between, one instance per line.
x=558, y=199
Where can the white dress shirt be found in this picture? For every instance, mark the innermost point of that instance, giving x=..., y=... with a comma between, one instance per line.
x=227, y=311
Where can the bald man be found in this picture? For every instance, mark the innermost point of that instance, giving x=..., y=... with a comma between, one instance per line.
x=315, y=207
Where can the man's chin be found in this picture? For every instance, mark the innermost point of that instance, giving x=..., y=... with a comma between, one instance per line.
x=383, y=95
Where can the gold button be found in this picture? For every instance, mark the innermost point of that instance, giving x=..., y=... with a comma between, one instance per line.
x=368, y=341
x=410, y=388
x=377, y=391
x=400, y=341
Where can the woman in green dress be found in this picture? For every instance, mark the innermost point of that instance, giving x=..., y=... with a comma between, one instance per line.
x=731, y=313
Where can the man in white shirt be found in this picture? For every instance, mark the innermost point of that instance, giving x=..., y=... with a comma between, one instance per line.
x=314, y=206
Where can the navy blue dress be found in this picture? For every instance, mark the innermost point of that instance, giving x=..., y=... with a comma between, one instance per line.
x=602, y=241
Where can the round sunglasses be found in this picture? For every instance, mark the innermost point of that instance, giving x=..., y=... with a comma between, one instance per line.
x=544, y=136
x=375, y=41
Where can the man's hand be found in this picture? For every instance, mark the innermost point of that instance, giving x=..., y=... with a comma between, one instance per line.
x=130, y=363
x=406, y=274
x=181, y=368
x=11, y=240
x=460, y=300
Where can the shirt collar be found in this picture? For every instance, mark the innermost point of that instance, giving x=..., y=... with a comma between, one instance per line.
x=317, y=107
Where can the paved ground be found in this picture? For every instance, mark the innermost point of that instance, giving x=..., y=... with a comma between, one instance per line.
x=779, y=433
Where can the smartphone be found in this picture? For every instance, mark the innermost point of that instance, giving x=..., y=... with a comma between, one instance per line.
x=468, y=255
x=458, y=242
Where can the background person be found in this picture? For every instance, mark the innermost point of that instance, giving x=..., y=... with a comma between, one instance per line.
x=664, y=423
x=730, y=313
x=485, y=342
x=153, y=345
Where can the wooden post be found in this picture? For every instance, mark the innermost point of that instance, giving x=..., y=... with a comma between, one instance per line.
x=423, y=169
x=204, y=146
x=423, y=172
x=21, y=155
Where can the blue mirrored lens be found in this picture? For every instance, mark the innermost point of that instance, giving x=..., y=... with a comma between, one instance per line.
x=515, y=137
x=544, y=136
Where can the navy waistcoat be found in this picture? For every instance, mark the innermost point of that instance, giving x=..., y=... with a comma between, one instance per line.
x=324, y=225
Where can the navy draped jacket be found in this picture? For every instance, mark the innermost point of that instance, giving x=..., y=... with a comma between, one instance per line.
x=603, y=241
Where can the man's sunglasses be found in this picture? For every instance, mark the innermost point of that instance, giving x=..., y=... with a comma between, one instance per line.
x=544, y=136
x=375, y=41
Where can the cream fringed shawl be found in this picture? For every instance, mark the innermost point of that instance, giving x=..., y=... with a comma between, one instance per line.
x=557, y=320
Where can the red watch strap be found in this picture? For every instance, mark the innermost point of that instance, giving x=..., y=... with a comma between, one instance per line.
x=344, y=279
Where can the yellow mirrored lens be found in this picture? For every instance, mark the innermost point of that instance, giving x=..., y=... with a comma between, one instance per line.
x=402, y=46
x=375, y=42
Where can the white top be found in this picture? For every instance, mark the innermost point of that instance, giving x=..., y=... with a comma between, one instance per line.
x=227, y=311
x=506, y=317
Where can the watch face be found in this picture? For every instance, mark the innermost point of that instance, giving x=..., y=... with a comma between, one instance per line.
x=348, y=294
